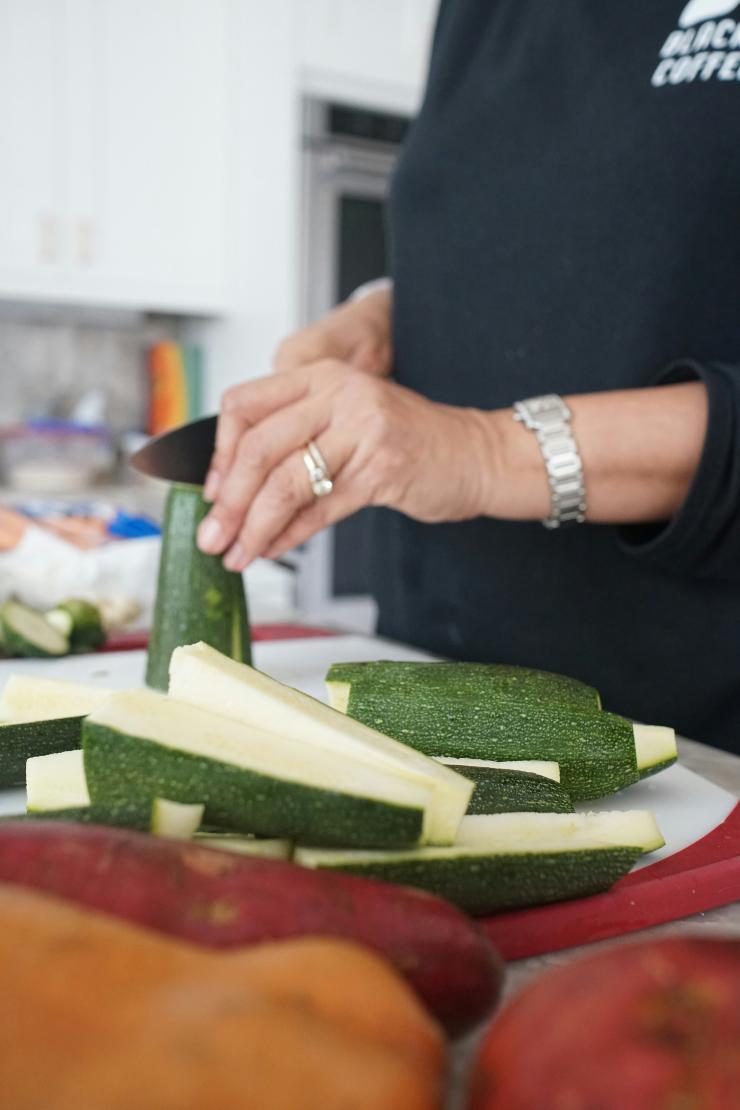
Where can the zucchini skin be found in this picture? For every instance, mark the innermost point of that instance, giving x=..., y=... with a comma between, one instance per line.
x=500, y=790
x=475, y=680
x=120, y=769
x=480, y=884
x=23, y=740
x=596, y=751
x=132, y=815
x=197, y=598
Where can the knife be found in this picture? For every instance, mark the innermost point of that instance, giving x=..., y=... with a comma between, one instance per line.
x=180, y=455
x=184, y=455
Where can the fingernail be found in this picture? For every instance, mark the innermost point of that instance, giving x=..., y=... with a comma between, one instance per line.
x=210, y=489
x=235, y=558
x=210, y=536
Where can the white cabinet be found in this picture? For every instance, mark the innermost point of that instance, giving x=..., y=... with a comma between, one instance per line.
x=113, y=121
x=374, y=53
x=31, y=179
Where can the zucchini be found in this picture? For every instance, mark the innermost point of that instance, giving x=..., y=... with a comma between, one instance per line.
x=56, y=781
x=140, y=745
x=596, y=751
x=174, y=820
x=39, y=716
x=80, y=622
x=510, y=860
x=201, y=676
x=479, y=681
x=655, y=747
x=545, y=768
x=27, y=632
x=246, y=845
x=197, y=598
x=56, y=789
x=21, y=740
x=505, y=791
x=41, y=699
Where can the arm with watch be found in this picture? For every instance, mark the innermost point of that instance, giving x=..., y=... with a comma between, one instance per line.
x=621, y=457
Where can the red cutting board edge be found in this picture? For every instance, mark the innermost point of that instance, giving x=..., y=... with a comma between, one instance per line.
x=701, y=877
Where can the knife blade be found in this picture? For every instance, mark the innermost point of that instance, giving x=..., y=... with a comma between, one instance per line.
x=180, y=455
x=183, y=455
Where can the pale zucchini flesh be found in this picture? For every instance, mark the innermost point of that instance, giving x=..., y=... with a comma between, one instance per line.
x=261, y=847
x=56, y=781
x=205, y=678
x=175, y=820
x=140, y=744
x=42, y=699
x=655, y=746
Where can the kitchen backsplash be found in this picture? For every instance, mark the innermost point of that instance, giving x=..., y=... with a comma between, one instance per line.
x=46, y=365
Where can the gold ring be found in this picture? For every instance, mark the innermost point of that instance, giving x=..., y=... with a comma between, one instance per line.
x=318, y=471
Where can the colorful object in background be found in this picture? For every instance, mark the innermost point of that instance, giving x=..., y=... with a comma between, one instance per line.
x=85, y=524
x=176, y=385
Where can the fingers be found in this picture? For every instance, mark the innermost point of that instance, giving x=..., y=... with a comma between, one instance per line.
x=284, y=495
x=243, y=406
x=260, y=450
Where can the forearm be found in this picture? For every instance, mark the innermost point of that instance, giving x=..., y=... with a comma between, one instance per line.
x=640, y=449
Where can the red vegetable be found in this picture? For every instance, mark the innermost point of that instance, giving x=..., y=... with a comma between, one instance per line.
x=636, y=1027
x=222, y=900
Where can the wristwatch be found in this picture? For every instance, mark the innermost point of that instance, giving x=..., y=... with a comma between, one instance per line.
x=549, y=418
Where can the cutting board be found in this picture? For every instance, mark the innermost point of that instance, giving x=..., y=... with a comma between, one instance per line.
x=698, y=869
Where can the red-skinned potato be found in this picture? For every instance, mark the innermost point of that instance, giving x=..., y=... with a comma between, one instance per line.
x=221, y=900
x=650, y=1026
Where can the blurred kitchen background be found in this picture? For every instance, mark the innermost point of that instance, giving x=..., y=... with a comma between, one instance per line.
x=183, y=183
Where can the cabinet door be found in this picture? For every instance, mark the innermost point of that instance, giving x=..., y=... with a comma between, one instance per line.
x=384, y=43
x=31, y=155
x=160, y=151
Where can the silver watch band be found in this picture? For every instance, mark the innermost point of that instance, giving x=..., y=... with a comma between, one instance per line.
x=549, y=418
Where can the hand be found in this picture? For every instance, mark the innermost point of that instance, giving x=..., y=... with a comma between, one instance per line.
x=357, y=332
x=383, y=445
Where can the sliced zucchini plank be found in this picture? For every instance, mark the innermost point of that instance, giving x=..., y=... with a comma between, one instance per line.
x=508, y=861
x=141, y=745
x=203, y=677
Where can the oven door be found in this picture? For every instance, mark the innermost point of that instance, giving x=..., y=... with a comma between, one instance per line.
x=343, y=246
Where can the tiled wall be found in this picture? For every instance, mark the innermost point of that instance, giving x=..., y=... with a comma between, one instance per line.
x=46, y=363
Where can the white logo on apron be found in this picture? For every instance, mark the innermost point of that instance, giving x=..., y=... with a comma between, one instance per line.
x=698, y=10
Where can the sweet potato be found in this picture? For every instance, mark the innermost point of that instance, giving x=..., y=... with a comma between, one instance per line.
x=635, y=1027
x=221, y=900
x=99, y=1014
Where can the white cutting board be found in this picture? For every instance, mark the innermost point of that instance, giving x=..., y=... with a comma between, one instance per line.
x=685, y=805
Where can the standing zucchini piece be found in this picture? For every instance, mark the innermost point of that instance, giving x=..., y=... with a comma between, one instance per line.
x=479, y=681
x=197, y=598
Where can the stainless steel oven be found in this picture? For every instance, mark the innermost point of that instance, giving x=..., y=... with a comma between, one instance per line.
x=348, y=158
